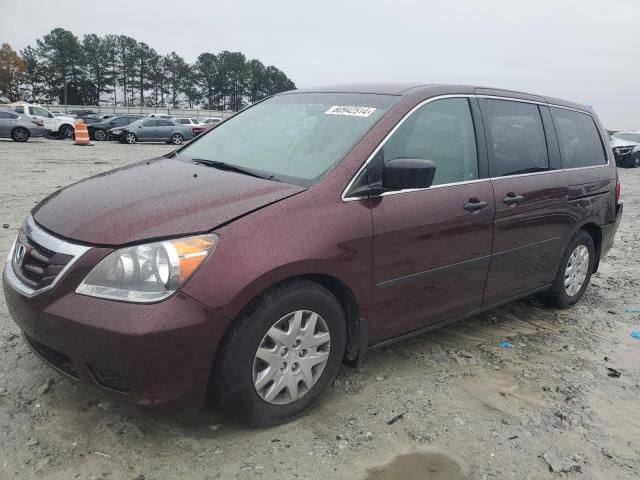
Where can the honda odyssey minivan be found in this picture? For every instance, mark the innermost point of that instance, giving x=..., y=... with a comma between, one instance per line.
x=312, y=226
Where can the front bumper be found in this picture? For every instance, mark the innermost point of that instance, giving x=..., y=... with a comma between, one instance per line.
x=150, y=355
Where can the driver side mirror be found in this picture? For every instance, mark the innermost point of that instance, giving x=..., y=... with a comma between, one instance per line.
x=406, y=173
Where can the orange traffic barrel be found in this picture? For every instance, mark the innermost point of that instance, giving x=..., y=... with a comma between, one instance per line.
x=82, y=134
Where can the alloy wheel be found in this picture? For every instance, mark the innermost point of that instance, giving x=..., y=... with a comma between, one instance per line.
x=291, y=357
x=66, y=132
x=99, y=135
x=20, y=135
x=130, y=138
x=576, y=270
x=176, y=139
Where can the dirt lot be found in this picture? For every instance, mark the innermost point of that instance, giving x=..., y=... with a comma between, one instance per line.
x=454, y=400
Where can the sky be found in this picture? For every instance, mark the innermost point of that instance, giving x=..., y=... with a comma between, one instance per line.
x=586, y=51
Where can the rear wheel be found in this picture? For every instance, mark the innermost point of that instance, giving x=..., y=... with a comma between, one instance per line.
x=20, y=134
x=99, y=134
x=177, y=139
x=574, y=273
x=279, y=358
x=130, y=138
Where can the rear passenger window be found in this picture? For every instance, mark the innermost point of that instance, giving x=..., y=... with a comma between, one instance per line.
x=515, y=137
x=165, y=123
x=441, y=131
x=580, y=142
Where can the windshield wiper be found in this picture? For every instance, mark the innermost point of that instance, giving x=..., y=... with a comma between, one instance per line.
x=233, y=168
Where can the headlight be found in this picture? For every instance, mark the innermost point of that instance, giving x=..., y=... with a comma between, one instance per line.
x=149, y=272
x=624, y=150
x=116, y=132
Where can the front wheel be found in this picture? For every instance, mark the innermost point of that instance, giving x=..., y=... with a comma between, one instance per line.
x=635, y=160
x=177, y=139
x=130, y=138
x=65, y=132
x=282, y=355
x=574, y=273
x=20, y=134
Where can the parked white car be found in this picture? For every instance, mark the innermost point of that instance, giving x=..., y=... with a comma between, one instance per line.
x=61, y=126
x=189, y=121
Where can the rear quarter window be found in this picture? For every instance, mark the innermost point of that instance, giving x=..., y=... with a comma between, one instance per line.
x=20, y=109
x=579, y=139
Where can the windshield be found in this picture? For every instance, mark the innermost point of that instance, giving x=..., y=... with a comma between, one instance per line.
x=634, y=137
x=297, y=137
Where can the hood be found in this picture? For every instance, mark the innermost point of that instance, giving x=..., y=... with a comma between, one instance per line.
x=64, y=118
x=619, y=142
x=159, y=198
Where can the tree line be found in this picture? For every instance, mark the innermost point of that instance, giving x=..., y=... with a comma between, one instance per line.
x=119, y=70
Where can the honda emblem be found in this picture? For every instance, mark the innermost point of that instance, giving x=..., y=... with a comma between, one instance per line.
x=18, y=256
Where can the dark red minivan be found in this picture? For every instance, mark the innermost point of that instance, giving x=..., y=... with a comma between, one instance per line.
x=306, y=229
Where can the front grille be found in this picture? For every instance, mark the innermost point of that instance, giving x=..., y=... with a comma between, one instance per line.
x=110, y=379
x=54, y=357
x=39, y=267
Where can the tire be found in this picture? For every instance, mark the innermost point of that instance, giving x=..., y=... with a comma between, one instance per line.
x=177, y=139
x=269, y=401
x=129, y=138
x=65, y=131
x=635, y=160
x=559, y=295
x=20, y=134
x=99, y=135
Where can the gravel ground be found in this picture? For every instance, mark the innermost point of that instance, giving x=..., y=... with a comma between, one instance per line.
x=446, y=405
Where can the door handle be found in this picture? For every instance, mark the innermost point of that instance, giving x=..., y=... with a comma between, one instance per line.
x=512, y=198
x=473, y=205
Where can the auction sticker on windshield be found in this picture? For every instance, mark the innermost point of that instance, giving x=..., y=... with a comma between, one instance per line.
x=350, y=110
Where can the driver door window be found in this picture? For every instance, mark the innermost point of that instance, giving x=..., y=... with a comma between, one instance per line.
x=39, y=111
x=441, y=131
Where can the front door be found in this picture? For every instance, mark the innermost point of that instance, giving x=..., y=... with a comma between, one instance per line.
x=432, y=247
x=47, y=118
x=531, y=213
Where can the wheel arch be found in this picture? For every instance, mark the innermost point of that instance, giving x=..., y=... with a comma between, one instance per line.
x=357, y=327
x=596, y=235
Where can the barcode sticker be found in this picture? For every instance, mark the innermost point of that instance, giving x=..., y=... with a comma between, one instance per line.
x=350, y=110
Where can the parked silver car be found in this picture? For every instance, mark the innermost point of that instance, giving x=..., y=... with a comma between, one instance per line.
x=20, y=128
x=154, y=130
